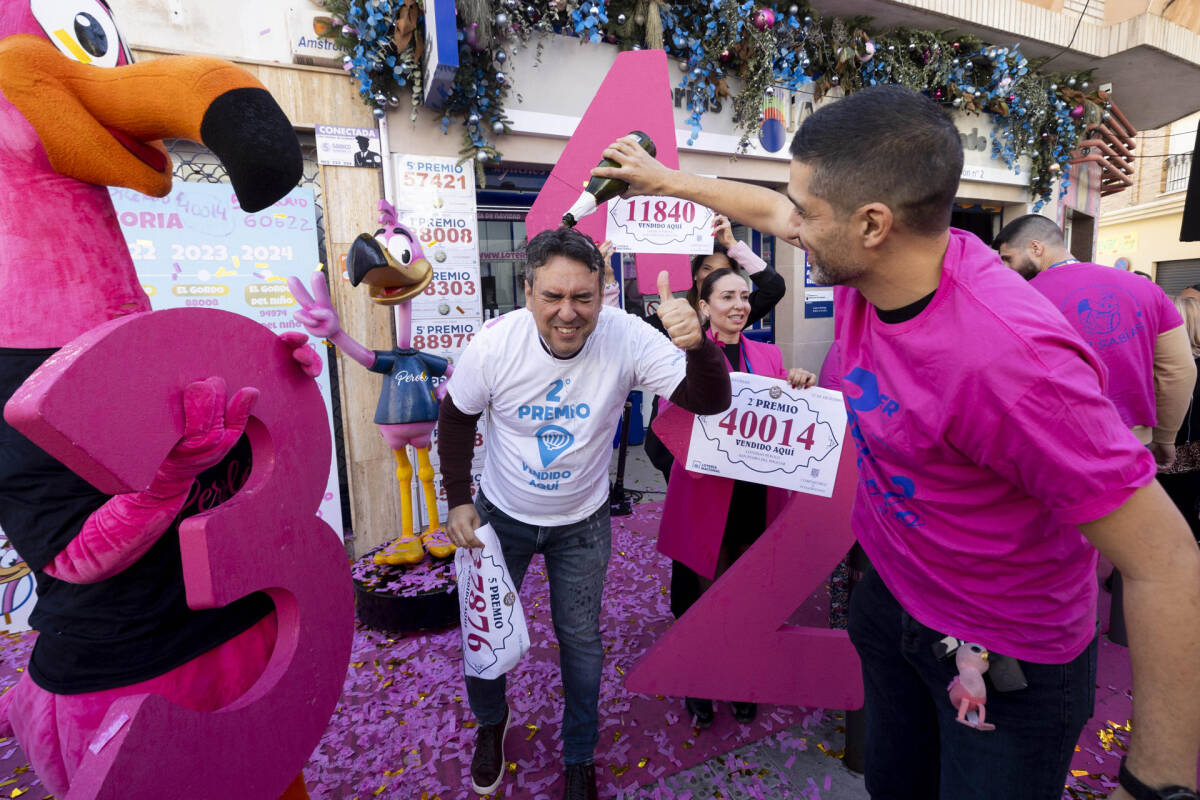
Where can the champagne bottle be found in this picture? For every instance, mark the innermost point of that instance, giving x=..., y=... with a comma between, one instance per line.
x=601, y=190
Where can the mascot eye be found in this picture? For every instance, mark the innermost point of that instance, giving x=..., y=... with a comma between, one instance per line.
x=401, y=250
x=82, y=30
x=91, y=36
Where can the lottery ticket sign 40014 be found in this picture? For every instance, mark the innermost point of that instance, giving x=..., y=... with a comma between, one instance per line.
x=774, y=435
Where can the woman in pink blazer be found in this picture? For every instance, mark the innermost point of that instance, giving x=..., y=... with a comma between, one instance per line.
x=709, y=521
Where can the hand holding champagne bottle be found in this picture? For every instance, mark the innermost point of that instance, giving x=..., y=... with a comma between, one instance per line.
x=600, y=190
x=635, y=168
x=678, y=317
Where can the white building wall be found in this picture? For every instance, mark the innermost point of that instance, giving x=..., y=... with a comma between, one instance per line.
x=233, y=29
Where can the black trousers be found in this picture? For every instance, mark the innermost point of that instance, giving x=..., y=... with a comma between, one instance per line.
x=746, y=521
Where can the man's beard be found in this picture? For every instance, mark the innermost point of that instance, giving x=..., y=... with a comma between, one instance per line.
x=833, y=272
x=832, y=264
x=1026, y=269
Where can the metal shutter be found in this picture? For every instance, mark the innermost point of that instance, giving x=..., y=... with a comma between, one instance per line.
x=1175, y=276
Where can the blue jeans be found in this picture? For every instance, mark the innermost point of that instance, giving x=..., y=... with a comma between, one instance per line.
x=576, y=560
x=915, y=748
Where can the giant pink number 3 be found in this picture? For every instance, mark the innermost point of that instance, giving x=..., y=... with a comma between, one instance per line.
x=109, y=406
x=734, y=643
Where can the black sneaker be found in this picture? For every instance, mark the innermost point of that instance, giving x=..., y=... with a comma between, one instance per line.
x=581, y=782
x=488, y=764
x=699, y=710
x=744, y=712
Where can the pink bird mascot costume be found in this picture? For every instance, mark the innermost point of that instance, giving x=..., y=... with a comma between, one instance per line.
x=76, y=116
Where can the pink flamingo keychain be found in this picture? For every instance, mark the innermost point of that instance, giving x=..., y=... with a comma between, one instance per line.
x=967, y=690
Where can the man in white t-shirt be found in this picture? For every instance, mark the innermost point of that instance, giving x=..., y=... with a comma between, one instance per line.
x=552, y=379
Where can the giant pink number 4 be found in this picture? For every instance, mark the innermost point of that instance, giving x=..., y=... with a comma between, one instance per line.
x=635, y=95
x=109, y=406
x=735, y=643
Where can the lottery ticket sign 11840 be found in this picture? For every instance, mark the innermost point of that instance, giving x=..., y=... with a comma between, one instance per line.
x=774, y=435
x=659, y=225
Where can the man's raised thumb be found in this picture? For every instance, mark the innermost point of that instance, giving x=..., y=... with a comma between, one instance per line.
x=664, y=287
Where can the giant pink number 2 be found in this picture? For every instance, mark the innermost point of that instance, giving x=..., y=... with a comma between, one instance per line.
x=735, y=643
x=109, y=406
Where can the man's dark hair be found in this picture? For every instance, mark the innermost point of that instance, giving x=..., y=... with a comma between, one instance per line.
x=566, y=242
x=697, y=262
x=884, y=144
x=1029, y=228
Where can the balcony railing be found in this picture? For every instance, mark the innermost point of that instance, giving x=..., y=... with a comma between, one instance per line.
x=1110, y=143
x=1176, y=169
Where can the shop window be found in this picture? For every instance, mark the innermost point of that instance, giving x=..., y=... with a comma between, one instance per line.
x=502, y=258
x=764, y=245
x=981, y=220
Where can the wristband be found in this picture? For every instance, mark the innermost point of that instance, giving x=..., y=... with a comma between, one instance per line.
x=1141, y=791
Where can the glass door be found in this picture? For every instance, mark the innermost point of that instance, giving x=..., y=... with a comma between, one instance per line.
x=502, y=258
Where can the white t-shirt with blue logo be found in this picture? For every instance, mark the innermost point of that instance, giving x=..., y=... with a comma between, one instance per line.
x=550, y=421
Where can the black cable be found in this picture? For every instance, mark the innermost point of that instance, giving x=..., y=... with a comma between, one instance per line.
x=1073, y=34
x=1164, y=155
x=1140, y=135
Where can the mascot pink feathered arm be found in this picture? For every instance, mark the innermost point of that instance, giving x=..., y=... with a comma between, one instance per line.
x=123, y=529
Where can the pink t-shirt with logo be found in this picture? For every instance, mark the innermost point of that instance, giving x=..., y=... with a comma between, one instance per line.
x=984, y=439
x=1120, y=315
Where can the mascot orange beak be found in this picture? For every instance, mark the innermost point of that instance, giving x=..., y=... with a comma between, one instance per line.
x=390, y=281
x=102, y=125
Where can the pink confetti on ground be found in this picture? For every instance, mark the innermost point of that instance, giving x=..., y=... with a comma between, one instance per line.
x=427, y=577
x=403, y=712
x=400, y=727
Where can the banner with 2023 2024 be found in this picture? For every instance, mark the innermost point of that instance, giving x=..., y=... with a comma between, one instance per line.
x=774, y=435
x=196, y=247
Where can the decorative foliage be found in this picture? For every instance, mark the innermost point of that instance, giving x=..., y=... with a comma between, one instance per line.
x=383, y=47
x=769, y=47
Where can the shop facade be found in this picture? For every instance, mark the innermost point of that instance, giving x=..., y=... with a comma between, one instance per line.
x=550, y=104
x=553, y=79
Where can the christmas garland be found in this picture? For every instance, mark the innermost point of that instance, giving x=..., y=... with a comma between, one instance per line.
x=1039, y=114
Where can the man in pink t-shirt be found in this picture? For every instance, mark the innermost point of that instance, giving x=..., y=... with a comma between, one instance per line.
x=1129, y=321
x=991, y=469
